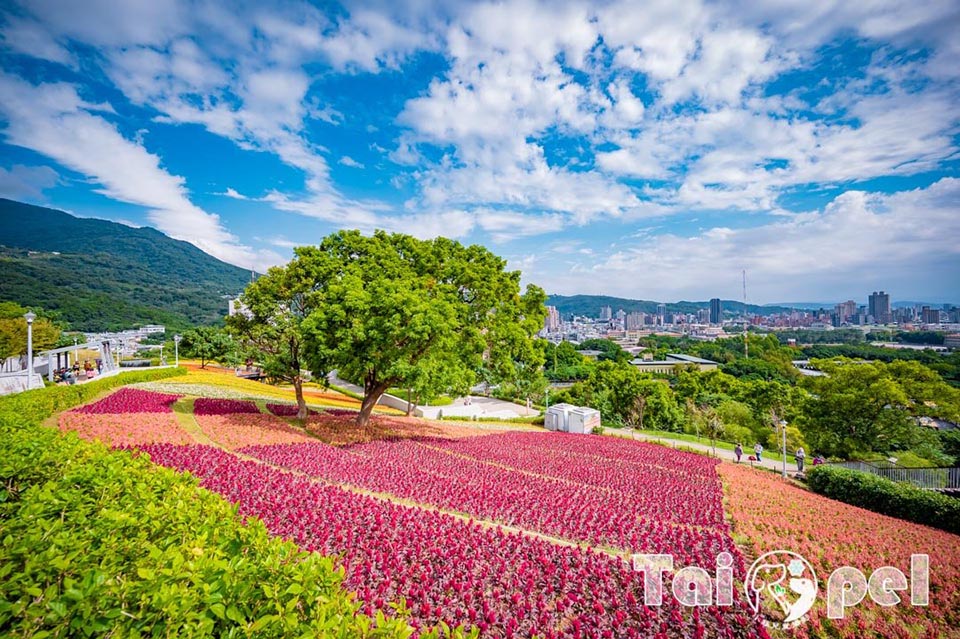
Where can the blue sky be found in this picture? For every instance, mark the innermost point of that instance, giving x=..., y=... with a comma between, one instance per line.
x=650, y=150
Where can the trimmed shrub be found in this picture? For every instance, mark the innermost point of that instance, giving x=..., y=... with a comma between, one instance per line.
x=886, y=497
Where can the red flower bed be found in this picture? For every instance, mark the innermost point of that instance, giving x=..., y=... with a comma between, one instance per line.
x=210, y=406
x=675, y=511
x=341, y=412
x=130, y=400
x=451, y=570
x=237, y=430
x=287, y=410
x=126, y=429
x=775, y=515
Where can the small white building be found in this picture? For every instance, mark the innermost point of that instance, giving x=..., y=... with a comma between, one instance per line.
x=567, y=418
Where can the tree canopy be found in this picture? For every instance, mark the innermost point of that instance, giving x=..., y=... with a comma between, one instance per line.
x=391, y=310
x=13, y=331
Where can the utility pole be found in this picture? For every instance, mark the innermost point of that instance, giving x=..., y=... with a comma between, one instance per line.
x=746, y=317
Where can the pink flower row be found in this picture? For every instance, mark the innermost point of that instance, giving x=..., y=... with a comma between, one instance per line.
x=659, y=517
x=286, y=410
x=450, y=570
x=130, y=400
x=632, y=468
x=211, y=406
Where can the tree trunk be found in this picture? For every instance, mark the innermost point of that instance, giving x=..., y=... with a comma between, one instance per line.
x=372, y=392
x=302, y=412
x=409, y=403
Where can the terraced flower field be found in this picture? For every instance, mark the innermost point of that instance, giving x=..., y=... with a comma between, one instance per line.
x=519, y=534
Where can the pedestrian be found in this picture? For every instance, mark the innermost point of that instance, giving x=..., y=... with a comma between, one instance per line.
x=758, y=451
x=738, y=451
x=799, y=456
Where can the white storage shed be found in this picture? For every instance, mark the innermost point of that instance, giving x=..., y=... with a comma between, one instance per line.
x=582, y=420
x=567, y=418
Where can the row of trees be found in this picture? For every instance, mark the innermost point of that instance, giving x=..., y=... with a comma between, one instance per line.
x=856, y=409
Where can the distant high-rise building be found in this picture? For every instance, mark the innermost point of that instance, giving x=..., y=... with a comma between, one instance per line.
x=635, y=320
x=715, y=310
x=930, y=315
x=879, y=307
x=606, y=313
x=845, y=311
x=661, y=314
x=552, y=322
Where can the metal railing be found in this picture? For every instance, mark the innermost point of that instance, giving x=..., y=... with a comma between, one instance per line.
x=944, y=478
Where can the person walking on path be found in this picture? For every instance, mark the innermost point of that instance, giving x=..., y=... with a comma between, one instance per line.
x=738, y=451
x=799, y=456
x=758, y=451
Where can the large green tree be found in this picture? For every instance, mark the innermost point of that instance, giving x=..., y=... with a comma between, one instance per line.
x=383, y=309
x=270, y=327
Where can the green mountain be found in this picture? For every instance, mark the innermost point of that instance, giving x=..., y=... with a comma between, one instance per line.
x=100, y=275
x=589, y=306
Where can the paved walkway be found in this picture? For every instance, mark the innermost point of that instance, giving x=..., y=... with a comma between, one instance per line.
x=481, y=407
x=722, y=453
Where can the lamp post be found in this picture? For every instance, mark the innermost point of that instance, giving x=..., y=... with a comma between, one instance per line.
x=29, y=316
x=783, y=445
x=76, y=355
x=176, y=349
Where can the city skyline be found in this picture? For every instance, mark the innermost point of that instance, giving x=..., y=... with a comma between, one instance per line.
x=601, y=149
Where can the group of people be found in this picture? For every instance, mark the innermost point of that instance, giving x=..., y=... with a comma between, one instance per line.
x=71, y=374
x=799, y=455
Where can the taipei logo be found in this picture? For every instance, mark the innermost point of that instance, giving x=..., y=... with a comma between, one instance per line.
x=781, y=588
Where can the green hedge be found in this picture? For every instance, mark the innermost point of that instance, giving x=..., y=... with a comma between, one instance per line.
x=95, y=542
x=886, y=497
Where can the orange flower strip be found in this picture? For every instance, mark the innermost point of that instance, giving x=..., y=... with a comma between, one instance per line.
x=126, y=429
x=249, y=429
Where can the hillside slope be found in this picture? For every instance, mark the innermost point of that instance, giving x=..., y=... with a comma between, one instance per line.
x=102, y=275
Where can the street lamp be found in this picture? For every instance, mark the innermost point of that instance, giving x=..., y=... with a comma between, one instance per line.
x=29, y=316
x=176, y=349
x=783, y=445
x=76, y=356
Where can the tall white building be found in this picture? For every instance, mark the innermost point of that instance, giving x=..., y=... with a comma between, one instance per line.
x=552, y=321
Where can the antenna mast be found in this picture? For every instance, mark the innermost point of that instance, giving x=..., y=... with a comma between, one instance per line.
x=746, y=317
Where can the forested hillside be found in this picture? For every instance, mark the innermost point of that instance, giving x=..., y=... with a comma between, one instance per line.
x=102, y=275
